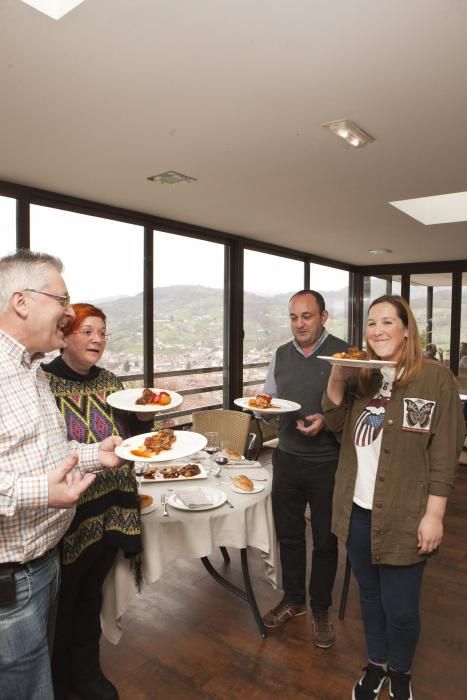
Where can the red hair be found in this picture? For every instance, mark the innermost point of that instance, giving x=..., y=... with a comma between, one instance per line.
x=82, y=312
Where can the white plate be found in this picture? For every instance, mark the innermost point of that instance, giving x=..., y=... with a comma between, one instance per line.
x=148, y=509
x=126, y=401
x=160, y=479
x=215, y=496
x=368, y=364
x=280, y=405
x=257, y=487
x=186, y=444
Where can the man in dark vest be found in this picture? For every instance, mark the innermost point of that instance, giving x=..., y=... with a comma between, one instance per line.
x=304, y=465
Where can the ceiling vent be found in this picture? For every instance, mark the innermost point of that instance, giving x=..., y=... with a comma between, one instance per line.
x=171, y=177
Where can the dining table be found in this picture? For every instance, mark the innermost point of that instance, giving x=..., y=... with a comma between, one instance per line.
x=244, y=520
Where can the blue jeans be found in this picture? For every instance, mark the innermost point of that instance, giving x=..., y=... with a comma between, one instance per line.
x=27, y=630
x=389, y=598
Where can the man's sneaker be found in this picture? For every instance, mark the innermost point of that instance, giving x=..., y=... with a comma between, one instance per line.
x=283, y=612
x=400, y=687
x=323, y=629
x=371, y=683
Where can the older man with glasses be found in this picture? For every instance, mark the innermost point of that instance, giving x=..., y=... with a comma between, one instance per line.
x=39, y=484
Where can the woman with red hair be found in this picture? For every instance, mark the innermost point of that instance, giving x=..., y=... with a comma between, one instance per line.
x=107, y=517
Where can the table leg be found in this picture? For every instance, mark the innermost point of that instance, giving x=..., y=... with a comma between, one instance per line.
x=247, y=594
x=225, y=554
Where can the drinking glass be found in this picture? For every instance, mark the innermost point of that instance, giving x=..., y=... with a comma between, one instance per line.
x=220, y=457
x=212, y=444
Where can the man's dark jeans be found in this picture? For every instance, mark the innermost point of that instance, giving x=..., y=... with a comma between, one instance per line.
x=296, y=482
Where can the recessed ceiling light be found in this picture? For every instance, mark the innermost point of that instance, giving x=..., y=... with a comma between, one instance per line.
x=379, y=251
x=349, y=131
x=54, y=8
x=171, y=177
x=441, y=209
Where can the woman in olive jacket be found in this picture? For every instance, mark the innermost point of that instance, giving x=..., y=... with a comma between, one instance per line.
x=403, y=431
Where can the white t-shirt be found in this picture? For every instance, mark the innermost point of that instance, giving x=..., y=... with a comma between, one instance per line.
x=368, y=435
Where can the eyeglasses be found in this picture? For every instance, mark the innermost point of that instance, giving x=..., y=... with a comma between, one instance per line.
x=88, y=332
x=63, y=299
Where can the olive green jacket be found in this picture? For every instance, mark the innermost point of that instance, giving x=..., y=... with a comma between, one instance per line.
x=420, y=447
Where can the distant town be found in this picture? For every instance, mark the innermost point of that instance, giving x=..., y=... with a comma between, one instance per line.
x=188, y=335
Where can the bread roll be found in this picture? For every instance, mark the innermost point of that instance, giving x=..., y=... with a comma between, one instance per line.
x=145, y=501
x=243, y=482
x=232, y=454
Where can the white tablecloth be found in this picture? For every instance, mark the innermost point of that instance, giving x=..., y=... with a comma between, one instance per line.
x=188, y=534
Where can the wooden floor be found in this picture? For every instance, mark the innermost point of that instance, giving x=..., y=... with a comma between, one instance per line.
x=187, y=637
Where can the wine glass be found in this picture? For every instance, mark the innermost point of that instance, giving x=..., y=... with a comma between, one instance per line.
x=220, y=457
x=140, y=470
x=212, y=444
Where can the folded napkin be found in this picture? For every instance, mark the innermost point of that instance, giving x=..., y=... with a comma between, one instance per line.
x=243, y=463
x=192, y=498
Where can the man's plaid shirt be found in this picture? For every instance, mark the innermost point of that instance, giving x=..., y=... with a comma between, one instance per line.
x=33, y=441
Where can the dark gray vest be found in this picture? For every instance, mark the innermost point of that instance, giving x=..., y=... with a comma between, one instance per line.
x=304, y=379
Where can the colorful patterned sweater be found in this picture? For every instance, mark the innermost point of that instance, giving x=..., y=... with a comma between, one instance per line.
x=109, y=509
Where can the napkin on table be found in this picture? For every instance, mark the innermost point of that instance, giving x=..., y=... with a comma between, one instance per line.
x=193, y=497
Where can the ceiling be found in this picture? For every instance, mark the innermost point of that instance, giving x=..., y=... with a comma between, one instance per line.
x=234, y=94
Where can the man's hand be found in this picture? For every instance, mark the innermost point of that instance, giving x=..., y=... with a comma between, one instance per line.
x=315, y=424
x=107, y=456
x=66, y=484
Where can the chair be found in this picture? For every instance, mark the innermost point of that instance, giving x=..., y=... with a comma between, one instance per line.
x=265, y=433
x=233, y=426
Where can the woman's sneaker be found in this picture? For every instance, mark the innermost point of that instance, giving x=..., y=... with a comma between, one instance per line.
x=400, y=687
x=371, y=683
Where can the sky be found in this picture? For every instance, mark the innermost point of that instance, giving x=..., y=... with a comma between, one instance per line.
x=103, y=258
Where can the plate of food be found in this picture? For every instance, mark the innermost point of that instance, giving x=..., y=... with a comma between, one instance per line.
x=146, y=503
x=160, y=446
x=205, y=498
x=176, y=472
x=145, y=400
x=263, y=403
x=243, y=484
x=355, y=358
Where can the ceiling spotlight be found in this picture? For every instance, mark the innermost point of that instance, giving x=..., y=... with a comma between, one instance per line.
x=380, y=251
x=171, y=177
x=349, y=131
x=54, y=8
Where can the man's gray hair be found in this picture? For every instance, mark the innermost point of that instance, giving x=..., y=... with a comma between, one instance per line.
x=23, y=269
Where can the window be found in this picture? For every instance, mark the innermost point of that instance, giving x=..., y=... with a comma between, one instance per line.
x=269, y=282
x=373, y=287
x=103, y=262
x=333, y=284
x=189, y=318
x=430, y=300
x=463, y=347
x=7, y=225
x=396, y=285
x=419, y=306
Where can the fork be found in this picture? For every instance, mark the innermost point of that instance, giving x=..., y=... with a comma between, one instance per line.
x=165, y=512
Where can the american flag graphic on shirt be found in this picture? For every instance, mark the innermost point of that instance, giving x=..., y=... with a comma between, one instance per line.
x=370, y=423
